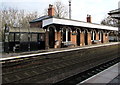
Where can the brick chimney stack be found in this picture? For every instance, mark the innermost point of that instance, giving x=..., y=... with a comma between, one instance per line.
x=89, y=18
x=51, y=10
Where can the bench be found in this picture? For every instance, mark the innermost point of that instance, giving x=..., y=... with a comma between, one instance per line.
x=95, y=41
x=67, y=44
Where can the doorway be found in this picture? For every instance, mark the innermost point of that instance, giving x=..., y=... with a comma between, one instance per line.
x=86, y=37
x=51, y=37
x=78, y=37
x=101, y=37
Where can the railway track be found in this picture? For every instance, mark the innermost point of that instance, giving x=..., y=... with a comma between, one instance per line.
x=36, y=69
x=77, y=79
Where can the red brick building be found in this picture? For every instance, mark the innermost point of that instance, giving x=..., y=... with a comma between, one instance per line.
x=66, y=32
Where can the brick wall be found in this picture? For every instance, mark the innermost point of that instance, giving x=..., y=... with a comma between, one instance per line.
x=89, y=38
x=106, y=38
x=59, y=39
x=36, y=24
x=103, y=37
x=55, y=46
x=82, y=43
x=46, y=40
x=73, y=39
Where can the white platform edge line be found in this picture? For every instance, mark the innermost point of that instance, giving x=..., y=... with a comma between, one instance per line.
x=97, y=74
x=8, y=58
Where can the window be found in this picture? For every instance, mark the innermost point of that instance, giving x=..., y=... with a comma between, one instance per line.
x=17, y=37
x=66, y=35
x=11, y=37
x=34, y=38
x=24, y=37
x=41, y=37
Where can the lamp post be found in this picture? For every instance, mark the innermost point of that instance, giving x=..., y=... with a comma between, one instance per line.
x=6, y=38
x=69, y=9
x=29, y=38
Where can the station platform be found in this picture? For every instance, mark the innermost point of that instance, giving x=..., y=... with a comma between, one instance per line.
x=107, y=77
x=7, y=56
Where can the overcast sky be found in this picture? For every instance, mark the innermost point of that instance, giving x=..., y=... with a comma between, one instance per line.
x=98, y=9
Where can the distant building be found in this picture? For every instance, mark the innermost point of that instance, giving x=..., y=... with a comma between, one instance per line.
x=115, y=14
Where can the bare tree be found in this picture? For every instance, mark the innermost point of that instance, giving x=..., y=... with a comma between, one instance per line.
x=15, y=18
x=60, y=10
x=110, y=22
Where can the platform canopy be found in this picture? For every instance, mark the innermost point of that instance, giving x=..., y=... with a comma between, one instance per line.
x=115, y=14
x=81, y=24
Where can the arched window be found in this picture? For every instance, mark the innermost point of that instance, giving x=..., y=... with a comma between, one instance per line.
x=66, y=35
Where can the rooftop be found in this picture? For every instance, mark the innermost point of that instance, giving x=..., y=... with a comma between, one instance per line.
x=40, y=19
x=116, y=11
x=54, y=20
x=115, y=14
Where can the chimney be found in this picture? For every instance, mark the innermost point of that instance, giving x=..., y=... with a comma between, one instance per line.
x=89, y=18
x=51, y=10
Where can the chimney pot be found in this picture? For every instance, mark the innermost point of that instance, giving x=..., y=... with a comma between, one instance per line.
x=51, y=10
x=88, y=18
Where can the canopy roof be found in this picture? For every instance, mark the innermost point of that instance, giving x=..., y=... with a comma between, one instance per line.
x=54, y=20
x=115, y=14
x=116, y=11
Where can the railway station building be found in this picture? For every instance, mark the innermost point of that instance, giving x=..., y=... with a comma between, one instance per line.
x=60, y=32
x=53, y=32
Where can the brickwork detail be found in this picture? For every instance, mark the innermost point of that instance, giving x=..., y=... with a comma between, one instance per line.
x=36, y=24
x=73, y=39
x=47, y=40
x=89, y=38
x=56, y=38
x=82, y=43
